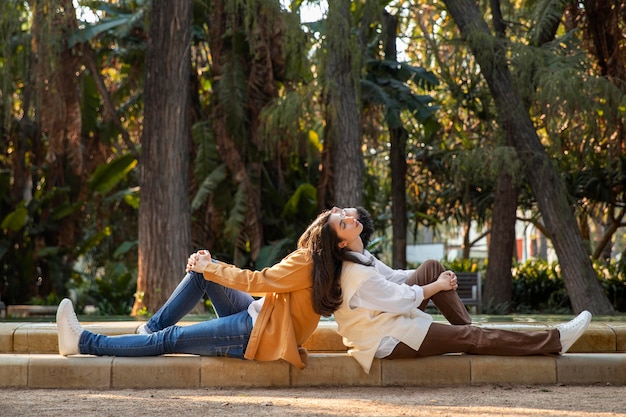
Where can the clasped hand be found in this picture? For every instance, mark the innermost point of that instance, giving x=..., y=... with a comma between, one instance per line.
x=448, y=280
x=198, y=261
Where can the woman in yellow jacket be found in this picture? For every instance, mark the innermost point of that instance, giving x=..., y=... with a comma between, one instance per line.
x=270, y=328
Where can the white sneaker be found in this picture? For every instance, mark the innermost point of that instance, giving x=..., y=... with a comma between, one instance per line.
x=572, y=330
x=143, y=329
x=68, y=328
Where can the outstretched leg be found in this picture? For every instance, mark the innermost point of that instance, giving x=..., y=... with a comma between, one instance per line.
x=227, y=336
x=443, y=338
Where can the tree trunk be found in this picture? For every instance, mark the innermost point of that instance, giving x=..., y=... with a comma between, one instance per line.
x=498, y=283
x=605, y=31
x=398, y=196
x=498, y=287
x=397, y=160
x=164, y=215
x=580, y=278
x=343, y=131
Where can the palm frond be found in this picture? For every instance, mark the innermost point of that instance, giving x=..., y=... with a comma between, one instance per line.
x=302, y=202
x=232, y=96
x=546, y=15
x=209, y=184
x=374, y=93
x=237, y=214
x=206, y=157
x=281, y=121
x=121, y=19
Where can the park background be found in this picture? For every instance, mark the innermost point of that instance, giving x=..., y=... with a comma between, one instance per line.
x=135, y=132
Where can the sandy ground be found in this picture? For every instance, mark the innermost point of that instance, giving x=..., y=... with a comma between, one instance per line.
x=491, y=401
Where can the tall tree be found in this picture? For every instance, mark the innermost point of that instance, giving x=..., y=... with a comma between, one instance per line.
x=164, y=215
x=499, y=290
x=580, y=278
x=343, y=158
x=397, y=136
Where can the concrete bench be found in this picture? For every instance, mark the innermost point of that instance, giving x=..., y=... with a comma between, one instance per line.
x=324, y=369
x=29, y=359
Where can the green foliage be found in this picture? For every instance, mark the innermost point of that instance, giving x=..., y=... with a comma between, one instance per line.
x=15, y=220
x=302, y=202
x=208, y=186
x=109, y=175
x=613, y=280
x=271, y=254
x=121, y=18
x=29, y=249
x=290, y=115
x=25, y=252
x=237, y=213
x=387, y=83
x=538, y=287
x=110, y=289
x=232, y=95
x=466, y=265
x=545, y=14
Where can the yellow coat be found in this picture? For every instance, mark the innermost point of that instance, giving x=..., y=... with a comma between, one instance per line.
x=287, y=318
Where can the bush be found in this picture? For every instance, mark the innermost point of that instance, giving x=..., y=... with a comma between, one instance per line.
x=539, y=288
x=538, y=285
x=110, y=290
x=613, y=280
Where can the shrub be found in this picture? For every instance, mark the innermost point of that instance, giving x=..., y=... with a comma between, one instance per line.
x=538, y=287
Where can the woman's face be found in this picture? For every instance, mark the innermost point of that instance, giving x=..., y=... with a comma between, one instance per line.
x=347, y=227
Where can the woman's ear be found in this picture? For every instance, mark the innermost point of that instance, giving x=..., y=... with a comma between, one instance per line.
x=342, y=244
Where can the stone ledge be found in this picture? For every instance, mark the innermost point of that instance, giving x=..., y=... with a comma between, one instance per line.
x=324, y=369
x=21, y=337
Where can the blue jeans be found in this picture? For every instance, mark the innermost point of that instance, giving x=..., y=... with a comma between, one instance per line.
x=227, y=335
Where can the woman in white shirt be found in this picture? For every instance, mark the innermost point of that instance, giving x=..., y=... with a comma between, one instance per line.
x=378, y=315
x=448, y=302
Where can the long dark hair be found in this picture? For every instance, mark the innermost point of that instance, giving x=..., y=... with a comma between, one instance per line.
x=323, y=243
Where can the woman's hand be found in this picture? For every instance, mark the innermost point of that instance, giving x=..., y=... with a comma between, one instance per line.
x=447, y=281
x=198, y=261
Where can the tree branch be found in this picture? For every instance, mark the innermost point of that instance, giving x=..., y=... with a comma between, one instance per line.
x=90, y=62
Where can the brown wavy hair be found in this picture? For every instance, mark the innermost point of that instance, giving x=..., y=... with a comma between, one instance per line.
x=323, y=243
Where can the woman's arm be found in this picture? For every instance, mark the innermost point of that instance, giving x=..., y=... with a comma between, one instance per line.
x=293, y=273
x=379, y=294
x=445, y=282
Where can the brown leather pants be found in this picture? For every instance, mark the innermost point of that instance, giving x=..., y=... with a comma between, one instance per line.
x=461, y=338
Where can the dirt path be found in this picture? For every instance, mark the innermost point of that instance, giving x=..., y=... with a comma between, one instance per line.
x=491, y=401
